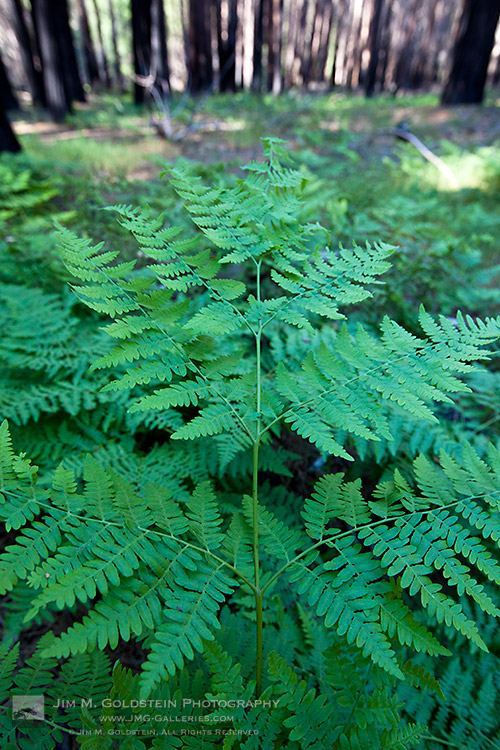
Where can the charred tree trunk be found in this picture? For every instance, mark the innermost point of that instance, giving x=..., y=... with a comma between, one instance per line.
x=324, y=40
x=116, y=53
x=30, y=57
x=8, y=141
x=301, y=47
x=293, y=25
x=141, y=43
x=471, y=53
x=66, y=50
x=339, y=21
x=405, y=53
x=88, y=46
x=374, y=44
x=227, y=23
x=57, y=96
x=274, y=46
x=258, y=42
x=200, y=46
x=385, y=46
x=159, y=57
x=7, y=97
x=103, y=60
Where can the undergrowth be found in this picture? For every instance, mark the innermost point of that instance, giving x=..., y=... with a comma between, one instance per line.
x=328, y=536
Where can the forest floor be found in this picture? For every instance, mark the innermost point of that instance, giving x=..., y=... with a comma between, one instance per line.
x=228, y=128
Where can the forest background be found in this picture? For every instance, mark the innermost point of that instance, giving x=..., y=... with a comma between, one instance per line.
x=389, y=112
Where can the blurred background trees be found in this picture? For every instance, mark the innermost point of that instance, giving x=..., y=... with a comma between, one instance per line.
x=57, y=50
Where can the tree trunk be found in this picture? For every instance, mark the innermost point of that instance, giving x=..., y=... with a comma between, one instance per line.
x=141, y=43
x=8, y=141
x=471, y=53
x=293, y=25
x=405, y=53
x=374, y=43
x=274, y=46
x=258, y=41
x=116, y=54
x=308, y=45
x=200, y=46
x=385, y=46
x=57, y=97
x=340, y=15
x=28, y=54
x=88, y=46
x=227, y=23
x=103, y=60
x=300, y=45
x=159, y=57
x=324, y=40
x=7, y=97
x=66, y=51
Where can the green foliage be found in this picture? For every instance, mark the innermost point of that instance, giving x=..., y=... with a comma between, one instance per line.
x=229, y=345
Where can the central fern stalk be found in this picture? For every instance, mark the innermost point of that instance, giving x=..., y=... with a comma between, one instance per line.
x=255, y=498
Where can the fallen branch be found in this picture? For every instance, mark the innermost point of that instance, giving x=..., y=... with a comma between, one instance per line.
x=404, y=134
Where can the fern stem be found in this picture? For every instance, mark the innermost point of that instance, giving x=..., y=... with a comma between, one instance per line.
x=255, y=504
x=442, y=742
x=257, y=590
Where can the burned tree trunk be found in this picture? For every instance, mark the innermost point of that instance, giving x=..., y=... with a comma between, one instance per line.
x=258, y=41
x=88, y=46
x=160, y=68
x=30, y=58
x=471, y=53
x=227, y=23
x=57, y=95
x=116, y=53
x=8, y=141
x=374, y=44
x=103, y=60
x=7, y=97
x=200, y=46
x=141, y=43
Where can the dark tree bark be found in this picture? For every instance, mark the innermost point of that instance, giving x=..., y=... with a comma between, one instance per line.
x=227, y=24
x=88, y=46
x=141, y=43
x=418, y=72
x=103, y=59
x=57, y=97
x=116, y=53
x=300, y=45
x=374, y=44
x=258, y=41
x=405, y=53
x=66, y=50
x=159, y=55
x=471, y=53
x=8, y=141
x=7, y=97
x=274, y=46
x=200, y=46
x=340, y=15
x=307, y=43
x=293, y=25
x=385, y=46
x=353, y=50
x=30, y=56
x=324, y=39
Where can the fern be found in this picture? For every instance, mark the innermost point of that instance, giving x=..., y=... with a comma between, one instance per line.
x=172, y=546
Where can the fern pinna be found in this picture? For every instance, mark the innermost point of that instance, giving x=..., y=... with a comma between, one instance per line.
x=197, y=328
